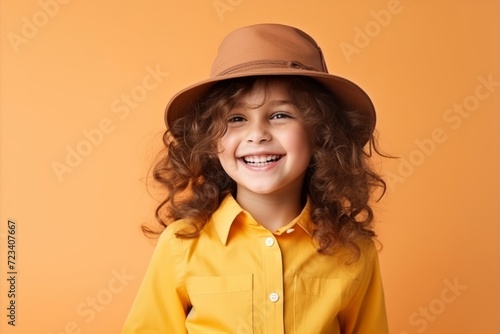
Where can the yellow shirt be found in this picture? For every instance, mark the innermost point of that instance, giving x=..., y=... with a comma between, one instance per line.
x=238, y=277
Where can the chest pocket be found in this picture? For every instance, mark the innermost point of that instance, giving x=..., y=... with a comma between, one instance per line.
x=316, y=305
x=220, y=304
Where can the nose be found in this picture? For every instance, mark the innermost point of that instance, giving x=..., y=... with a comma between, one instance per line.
x=258, y=133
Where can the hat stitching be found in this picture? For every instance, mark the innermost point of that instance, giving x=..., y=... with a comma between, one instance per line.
x=263, y=64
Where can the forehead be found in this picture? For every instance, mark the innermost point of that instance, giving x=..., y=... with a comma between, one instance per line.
x=266, y=90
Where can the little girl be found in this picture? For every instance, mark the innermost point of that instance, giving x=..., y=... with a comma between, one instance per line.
x=267, y=215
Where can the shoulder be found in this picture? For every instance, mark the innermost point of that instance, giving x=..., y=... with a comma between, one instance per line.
x=362, y=272
x=368, y=251
x=173, y=235
x=368, y=258
x=169, y=240
x=367, y=246
x=174, y=227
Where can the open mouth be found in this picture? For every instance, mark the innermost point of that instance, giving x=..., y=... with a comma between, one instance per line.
x=261, y=160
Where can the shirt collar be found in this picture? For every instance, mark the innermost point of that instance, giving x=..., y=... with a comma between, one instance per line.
x=224, y=217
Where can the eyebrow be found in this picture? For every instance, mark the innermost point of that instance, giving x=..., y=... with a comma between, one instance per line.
x=271, y=102
x=278, y=102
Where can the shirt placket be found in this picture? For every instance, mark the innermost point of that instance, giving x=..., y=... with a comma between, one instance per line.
x=273, y=284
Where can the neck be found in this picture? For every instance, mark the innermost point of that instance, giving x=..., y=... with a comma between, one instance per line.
x=271, y=211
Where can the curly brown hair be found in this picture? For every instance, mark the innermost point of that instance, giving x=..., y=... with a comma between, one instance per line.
x=339, y=180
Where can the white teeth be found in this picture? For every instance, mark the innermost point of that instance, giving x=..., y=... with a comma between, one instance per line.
x=261, y=160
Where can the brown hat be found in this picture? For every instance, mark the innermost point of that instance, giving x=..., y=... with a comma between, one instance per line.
x=274, y=49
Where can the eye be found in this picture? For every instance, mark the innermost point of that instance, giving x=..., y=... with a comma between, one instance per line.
x=235, y=119
x=281, y=115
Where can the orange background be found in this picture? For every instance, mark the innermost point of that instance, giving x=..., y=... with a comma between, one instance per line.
x=67, y=68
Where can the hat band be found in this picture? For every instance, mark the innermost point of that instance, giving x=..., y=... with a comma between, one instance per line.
x=266, y=63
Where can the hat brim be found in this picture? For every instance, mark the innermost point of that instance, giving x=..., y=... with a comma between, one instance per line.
x=347, y=94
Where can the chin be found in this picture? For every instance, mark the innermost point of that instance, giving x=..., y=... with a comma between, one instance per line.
x=263, y=190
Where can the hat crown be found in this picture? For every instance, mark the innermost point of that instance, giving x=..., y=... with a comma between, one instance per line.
x=267, y=45
x=271, y=50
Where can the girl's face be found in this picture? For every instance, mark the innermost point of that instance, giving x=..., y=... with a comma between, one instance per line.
x=266, y=149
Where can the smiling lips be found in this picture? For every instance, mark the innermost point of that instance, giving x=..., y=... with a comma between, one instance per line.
x=261, y=160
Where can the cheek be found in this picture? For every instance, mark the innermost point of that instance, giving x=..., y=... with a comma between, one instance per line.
x=223, y=145
x=226, y=149
x=220, y=146
x=300, y=141
x=229, y=142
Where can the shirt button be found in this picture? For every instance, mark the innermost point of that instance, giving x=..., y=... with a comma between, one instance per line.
x=274, y=297
x=269, y=241
x=290, y=230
